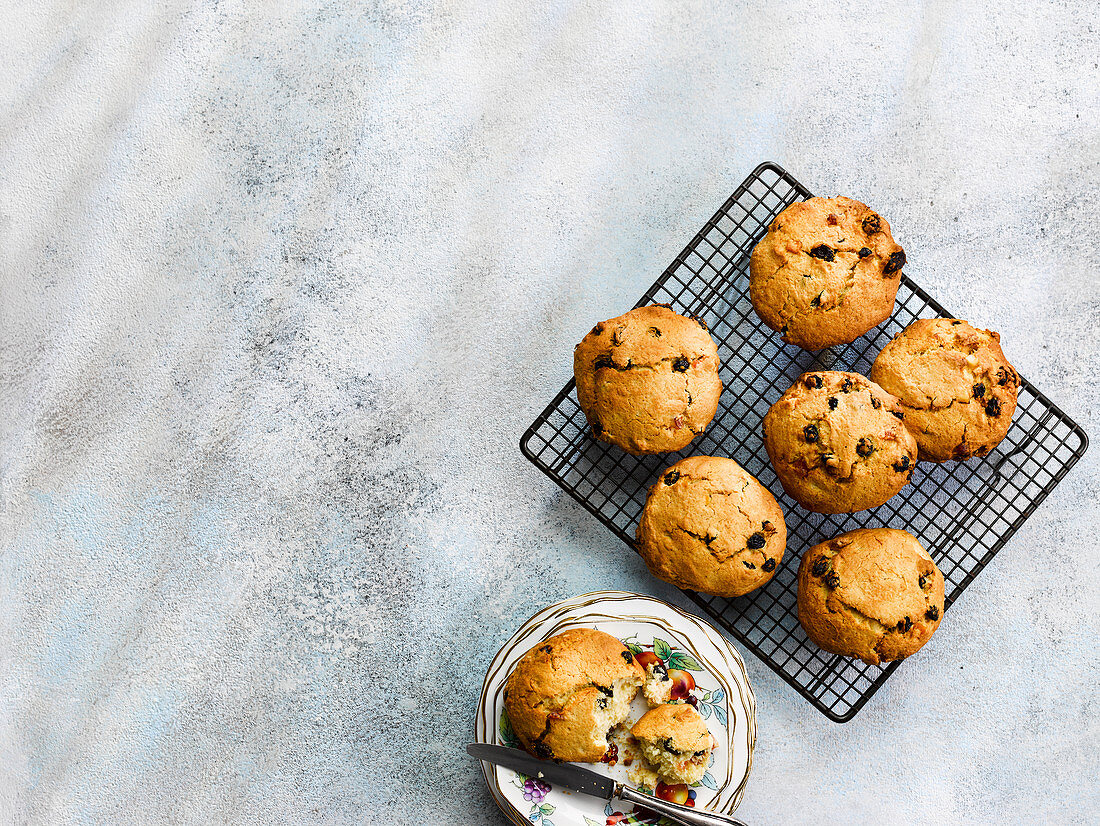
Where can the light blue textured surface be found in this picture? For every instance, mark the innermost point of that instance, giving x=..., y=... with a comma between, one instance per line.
x=281, y=285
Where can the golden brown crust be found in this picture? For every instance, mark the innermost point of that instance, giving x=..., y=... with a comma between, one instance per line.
x=710, y=526
x=955, y=384
x=679, y=723
x=872, y=593
x=558, y=692
x=838, y=443
x=647, y=381
x=827, y=272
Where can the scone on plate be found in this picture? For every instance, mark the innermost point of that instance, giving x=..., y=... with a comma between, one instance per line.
x=827, y=272
x=567, y=693
x=710, y=526
x=675, y=740
x=838, y=443
x=872, y=593
x=647, y=381
x=954, y=383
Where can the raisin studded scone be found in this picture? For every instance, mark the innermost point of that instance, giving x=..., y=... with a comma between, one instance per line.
x=567, y=693
x=838, y=443
x=710, y=526
x=872, y=593
x=676, y=742
x=647, y=381
x=827, y=272
x=954, y=383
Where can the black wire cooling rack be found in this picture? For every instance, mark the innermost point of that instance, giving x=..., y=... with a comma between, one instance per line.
x=962, y=512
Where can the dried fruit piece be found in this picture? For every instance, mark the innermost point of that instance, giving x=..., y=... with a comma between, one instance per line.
x=653, y=331
x=769, y=565
x=924, y=581
x=898, y=413
x=825, y=253
x=830, y=219
x=748, y=564
x=820, y=566
x=905, y=625
x=896, y=262
x=902, y=465
x=597, y=329
x=1002, y=377
x=681, y=365
x=757, y=541
x=846, y=387
x=626, y=655
x=832, y=580
x=863, y=253
x=871, y=224
x=979, y=390
x=813, y=381
x=993, y=407
x=810, y=432
x=671, y=477
x=833, y=402
x=875, y=403
x=933, y=613
x=865, y=448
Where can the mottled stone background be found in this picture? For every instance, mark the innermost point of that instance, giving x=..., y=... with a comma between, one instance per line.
x=281, y=284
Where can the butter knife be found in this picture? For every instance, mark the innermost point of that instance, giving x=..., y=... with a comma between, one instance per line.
x=589, y=782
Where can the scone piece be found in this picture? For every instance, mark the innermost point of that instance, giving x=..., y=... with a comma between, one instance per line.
x=567, y=693
x=676, y=742
x=838, y=443
x=647, y=381
x=827, y=272
x=710, y=526
x=954, y=383
x=657, y=688
x=872, y=593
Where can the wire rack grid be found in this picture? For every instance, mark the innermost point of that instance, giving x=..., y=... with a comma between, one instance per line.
x=962, y=512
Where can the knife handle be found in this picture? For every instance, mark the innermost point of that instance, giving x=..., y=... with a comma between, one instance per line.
x=681, y=814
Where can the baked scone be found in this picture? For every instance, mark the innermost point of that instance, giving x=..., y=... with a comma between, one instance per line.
x=710, y=526
x=872, y=593
x=827, y=272
x=647, y=381
x=838, y=443
x=567, y=693
x=676, y=742
x=954, y=383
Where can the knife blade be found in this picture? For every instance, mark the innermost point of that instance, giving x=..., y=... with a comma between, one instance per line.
x=589, y=782
x=572, y=777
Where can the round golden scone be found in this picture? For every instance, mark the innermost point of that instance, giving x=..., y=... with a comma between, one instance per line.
x=827, y=272
x=568, y=692
x=872, y=593
x=647, y=381
x=954, y=383
x=676, y=742
x=838, y=443
x=710, y=526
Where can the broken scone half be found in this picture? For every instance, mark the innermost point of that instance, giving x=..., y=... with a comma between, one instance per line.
x=675, y=740
x=567, y=693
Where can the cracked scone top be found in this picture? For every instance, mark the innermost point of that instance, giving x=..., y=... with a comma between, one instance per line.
x=955, y=384
x=838, y=443
x=872, y=593
x=569, y=691
x=710, y=526
x=827, y=272
x=647, y=381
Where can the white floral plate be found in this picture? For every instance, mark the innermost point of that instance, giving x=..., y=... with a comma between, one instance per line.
x=684, y=642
